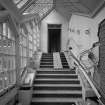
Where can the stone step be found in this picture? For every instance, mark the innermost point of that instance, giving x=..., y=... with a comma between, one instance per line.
x=47, y=57
x=46, y=66
x=57, y=74
x=56, y=71
x=56, y=92
x=57, y=82
x=55, y=101
x=54, y=95
x=73, y=87
x=54, y=79
x=43, y=60
x=55, y=87
x=66, y=76
x=47, y=69
x=48, y=63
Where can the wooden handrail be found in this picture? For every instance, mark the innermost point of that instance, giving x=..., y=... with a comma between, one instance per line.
x=83, y=70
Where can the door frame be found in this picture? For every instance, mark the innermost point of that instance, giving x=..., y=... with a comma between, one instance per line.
x=51, y=26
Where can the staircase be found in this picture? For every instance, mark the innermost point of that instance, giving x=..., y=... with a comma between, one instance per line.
x=55, y=87
x=46, y=60
x=64, y=61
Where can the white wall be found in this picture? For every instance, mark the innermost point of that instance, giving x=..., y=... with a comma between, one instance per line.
x=84, y=41
x=53, y=18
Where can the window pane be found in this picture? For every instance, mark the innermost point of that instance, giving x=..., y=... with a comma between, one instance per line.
x=4, y=29
x=30, y=37
x=30, y=45
x=24, y=52
x=7, y=57
x=24, y=41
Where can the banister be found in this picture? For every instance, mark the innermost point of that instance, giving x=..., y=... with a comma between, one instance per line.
x=96, y=44
x=86, y=76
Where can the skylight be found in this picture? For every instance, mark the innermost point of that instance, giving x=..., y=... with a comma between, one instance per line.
x=20, y=3
x=40, y=7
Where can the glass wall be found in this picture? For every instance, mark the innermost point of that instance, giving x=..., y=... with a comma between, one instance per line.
x=7, y=56
x=29, y=40
x=23, y=46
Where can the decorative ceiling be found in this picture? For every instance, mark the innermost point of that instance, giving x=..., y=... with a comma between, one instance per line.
x=79, y=7
x=39, y=7
x=72, y=6
x=42, y=8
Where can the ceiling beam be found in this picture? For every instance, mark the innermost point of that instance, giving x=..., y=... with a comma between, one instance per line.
x=28, y=4
x=12, y=9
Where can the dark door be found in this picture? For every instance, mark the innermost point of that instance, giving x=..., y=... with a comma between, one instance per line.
x=54, y=40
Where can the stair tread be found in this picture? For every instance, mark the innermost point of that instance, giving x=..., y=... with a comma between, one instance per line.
x=52, y=69
x=56, y=79
x=57, y=92
x=46, y=65
x=55, y=99
x=59, y=74
x=46, y=61
x=55, y=70
x=44, y=69
x=58, y=85
x=52, y=72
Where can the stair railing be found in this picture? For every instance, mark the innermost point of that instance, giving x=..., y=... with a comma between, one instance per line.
x=89, y=79
x=91, y=59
